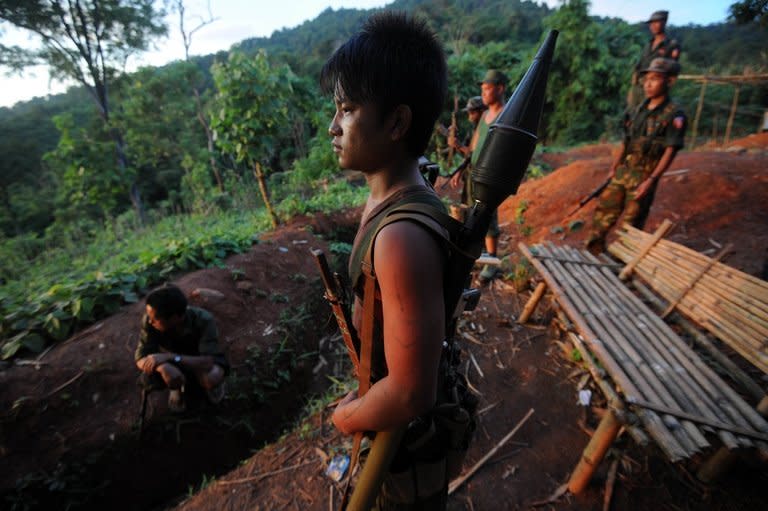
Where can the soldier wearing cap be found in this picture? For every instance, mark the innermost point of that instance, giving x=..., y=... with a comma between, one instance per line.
x=475, y=108
x=659, y=45
x=653, y=133
x=492, y=87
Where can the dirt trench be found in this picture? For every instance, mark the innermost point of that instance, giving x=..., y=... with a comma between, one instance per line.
x=69, y=434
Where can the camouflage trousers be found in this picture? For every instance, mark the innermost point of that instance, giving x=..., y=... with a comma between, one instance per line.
x=619, y=197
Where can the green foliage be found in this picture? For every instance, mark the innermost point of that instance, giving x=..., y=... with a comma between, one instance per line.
x=88, y=182
x=162, y=133
x=590, y=72
x=252, y=106
x=49, y=298
x=747, y=11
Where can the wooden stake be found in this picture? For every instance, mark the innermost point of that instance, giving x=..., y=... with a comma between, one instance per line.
x=460, y=480
x=695, y=279
x=594, y=452
x=731, y=116
x=698, y=112
x=532, y=302
x=660, y=232
x=609, y=484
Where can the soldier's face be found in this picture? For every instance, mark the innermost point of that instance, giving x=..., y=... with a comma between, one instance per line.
x=656, y=27
x=474, y=116
x=360, y=136
x=162, y=324
x=491, y=93
x=655, y=85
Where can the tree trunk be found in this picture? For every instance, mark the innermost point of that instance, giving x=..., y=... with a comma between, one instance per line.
x=264, y=193
x=122, y=160
x=209, y=138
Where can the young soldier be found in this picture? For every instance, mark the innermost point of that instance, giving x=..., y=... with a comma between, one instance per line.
x=475, y=108
x=660, y=45
x=492, y=89
x=178, y=342
x=653, y=133
x=389, y=84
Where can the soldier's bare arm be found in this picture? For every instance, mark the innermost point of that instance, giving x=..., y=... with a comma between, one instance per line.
x=409, y=269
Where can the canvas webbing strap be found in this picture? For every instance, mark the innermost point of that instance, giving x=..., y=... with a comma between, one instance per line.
x=364, y=373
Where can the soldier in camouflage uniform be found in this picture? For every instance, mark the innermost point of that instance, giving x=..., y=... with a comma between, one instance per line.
x=653, y=133
x=660, y=45
x=179, y=343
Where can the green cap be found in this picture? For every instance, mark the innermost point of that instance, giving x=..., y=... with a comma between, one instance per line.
x=495, y=77
x=661, y=65
x=659, y=16
x=475, y=103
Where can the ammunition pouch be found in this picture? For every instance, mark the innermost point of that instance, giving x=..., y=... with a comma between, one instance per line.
x=434, y=446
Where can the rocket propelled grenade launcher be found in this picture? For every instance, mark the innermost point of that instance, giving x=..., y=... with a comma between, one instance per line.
x=504, y=158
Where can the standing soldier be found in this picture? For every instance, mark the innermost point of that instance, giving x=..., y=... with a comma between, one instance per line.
x=653, y=133
x=659, y=45
x=492, y=89
x=475, y=108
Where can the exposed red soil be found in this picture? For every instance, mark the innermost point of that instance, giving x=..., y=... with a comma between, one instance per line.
x=89, y=426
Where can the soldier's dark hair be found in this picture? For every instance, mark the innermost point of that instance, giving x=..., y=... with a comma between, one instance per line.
x=393, y=60
x=168, y=301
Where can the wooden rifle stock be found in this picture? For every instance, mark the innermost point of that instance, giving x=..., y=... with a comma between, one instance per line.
x=335, y=297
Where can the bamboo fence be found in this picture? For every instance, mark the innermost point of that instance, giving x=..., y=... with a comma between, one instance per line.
x=677, y=397
x=731, y=305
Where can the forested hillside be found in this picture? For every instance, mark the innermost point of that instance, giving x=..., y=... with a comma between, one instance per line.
x=224, y=134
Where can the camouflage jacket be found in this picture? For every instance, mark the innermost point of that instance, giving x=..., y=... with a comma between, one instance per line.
x=647, y=133
x=668, y=48
x=198, y=336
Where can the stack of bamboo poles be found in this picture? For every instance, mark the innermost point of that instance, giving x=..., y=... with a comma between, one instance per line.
x=675, y=395
x=730, y=304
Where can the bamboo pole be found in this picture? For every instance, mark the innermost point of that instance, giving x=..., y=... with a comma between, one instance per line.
x=753, y=293
x=532, y=302
x=705, y=378
x=653, y=423
x=727, y=365
x=657, y=235
x=672, y=279
x=732, y=114
x=614, y=401
x=673, y=441
x=593, y=454
x=719, y=315
x=714, y=320
x=699, y=107
x=695, y=279
x=673, y=351
x=663, y=375
x=637, y=234
x=703, y=420
x=687, y=435
x=716, y=466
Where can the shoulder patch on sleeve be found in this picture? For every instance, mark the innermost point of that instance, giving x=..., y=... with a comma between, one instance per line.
x=678, y=122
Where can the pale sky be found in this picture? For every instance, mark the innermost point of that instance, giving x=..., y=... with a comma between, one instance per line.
x=241, y=19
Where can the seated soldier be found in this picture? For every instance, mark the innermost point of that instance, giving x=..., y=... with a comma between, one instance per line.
x=178, y=342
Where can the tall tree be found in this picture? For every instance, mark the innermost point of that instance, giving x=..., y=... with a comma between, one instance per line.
x=747, y=11
x=88, y=41
x=202, y=115
x=253, y=99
